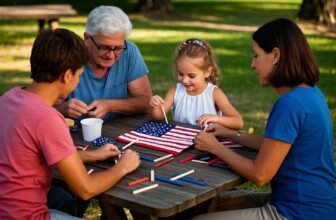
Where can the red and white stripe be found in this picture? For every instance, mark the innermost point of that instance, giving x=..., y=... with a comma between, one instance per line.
x=174, y=141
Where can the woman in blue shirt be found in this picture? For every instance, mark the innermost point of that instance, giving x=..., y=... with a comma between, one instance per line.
x=296, y=152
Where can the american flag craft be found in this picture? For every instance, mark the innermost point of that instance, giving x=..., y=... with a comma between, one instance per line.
x=161, y=136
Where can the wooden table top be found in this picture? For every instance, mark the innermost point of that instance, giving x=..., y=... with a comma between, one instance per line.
x=167, y=199
x=44, y=11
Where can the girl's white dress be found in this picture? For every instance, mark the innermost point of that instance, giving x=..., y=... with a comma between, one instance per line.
x=187, y=108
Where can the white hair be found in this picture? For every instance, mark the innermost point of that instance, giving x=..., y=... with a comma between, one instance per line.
x=108, y=20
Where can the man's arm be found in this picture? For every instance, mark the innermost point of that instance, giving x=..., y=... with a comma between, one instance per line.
x=138, y=102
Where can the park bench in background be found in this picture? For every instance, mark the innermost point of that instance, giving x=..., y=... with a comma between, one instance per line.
x=46, y=13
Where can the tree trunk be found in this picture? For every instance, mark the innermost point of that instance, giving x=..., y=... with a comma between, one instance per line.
x=323, y=11
x=155, y=5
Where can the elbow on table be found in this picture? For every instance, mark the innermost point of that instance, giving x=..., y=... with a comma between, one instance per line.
x=260, y=180
x=86, y=193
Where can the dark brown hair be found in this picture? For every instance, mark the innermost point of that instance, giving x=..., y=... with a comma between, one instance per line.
x=196, y=48
x=297, y=63
x=55, y=52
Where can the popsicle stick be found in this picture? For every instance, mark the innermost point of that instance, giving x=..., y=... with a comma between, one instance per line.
x=164, y=113
x=199, y=161
x=143, y=157
x=129, y=144
x=206, y=127
x=152, y=176
x=182, y=175
x=164, y=162
x=162, y=158
x=138, y=181
x=188, y=158
x=166, y=180
x=145, y=188
x=190, y=180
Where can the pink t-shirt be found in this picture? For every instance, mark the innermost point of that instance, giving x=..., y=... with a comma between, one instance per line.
x=33, y=138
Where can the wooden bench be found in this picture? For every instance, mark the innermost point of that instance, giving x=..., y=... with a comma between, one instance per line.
x=48, y=13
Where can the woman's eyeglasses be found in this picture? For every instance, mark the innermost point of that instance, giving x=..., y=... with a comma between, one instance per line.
x=105, y=49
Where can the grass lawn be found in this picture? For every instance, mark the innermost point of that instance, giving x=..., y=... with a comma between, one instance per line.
x=226, y=24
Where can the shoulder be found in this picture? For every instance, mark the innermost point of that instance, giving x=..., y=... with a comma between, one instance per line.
x=132, y=47
x=217, y=93
x=172, y=89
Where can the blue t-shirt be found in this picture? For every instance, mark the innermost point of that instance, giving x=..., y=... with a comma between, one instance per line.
x=303, y=187
x=114, y=85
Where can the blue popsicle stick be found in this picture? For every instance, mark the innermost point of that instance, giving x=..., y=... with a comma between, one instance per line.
x=163, y=179
x=190, y=180
x=143, y=157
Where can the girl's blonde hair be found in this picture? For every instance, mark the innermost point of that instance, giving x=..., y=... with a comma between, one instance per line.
x=196, y=48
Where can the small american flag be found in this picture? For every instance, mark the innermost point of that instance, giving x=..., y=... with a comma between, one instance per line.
x=161, y=136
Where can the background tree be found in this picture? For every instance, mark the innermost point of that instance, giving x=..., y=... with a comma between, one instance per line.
x=323, y=11
x=155, y=5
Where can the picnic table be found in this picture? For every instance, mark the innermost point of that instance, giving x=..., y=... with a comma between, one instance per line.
x=167, y=200
x=44, y=13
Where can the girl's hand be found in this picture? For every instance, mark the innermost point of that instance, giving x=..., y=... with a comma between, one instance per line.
x=156, y=101
x=207, y=119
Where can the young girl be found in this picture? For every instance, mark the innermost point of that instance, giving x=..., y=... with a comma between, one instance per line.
x=196, y=99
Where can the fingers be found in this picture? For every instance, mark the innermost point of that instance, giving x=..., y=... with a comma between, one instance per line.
x=130, y=160
x=96, y=114
x=156, y=101
x=203, y=120
x=76, y=108
x=111, y=148
x=98, y=109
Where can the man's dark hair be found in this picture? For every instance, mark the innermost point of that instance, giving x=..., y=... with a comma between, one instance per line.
x=54, y=52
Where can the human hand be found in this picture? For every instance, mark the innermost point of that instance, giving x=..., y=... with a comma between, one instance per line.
x=206, y=142
x=220, y=130
x=74, y=108
x=156, y=101
x=129, y=160
x=98, y=108
x=106, y=151
x=206, y=119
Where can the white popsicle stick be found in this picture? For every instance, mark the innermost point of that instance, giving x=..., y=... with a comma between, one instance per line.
x=164, y=113
x=152, y=176
x=129, y=144
x=145, y=188
x=182, y=175
x=198, y=161
x=206, y=127
x=162, y=158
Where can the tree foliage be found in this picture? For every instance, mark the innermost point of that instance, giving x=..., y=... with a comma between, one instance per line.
x=323, y=11
x=155, y=5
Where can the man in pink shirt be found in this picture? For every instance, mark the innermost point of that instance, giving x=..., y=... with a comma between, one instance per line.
x=34, y=137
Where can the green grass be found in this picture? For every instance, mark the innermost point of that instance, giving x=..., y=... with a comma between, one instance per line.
x=227, y=25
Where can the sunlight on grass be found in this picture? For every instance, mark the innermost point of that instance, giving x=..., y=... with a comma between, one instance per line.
x=321, y=44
